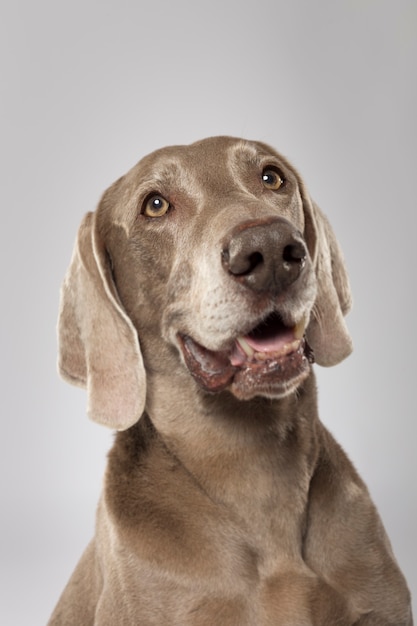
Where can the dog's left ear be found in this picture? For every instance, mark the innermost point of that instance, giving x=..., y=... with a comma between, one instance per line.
x=327, y=333
x=98, y=344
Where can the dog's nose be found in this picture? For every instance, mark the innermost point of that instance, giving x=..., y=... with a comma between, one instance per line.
x=266, y=257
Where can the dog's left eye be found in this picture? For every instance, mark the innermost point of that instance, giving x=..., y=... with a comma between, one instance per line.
x=271, y=179
x=155, y=206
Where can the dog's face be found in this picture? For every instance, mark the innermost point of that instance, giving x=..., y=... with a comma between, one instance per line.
x=223, y=266
x=210, y=255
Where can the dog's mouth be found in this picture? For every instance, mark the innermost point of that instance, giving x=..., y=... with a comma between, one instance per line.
x=271, y=360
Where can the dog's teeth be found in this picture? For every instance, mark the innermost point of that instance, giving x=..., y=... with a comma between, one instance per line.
x=247, y=349
x=293, y=346
x=299, y=329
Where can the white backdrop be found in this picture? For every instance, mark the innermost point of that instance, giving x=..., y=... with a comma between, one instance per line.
x=89, y=87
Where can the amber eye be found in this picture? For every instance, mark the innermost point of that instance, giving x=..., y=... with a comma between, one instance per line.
x=155, y=206
x=272, y=179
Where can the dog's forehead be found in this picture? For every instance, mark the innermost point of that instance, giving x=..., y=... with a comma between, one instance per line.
x=211, y=161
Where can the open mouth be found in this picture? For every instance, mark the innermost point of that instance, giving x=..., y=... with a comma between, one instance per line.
x=271, y=360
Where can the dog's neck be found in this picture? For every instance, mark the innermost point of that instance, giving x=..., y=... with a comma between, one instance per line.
x=221, y=415
x=243, y=459
x=208, y=433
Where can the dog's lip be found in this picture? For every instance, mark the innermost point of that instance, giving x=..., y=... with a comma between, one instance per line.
x=261, y=353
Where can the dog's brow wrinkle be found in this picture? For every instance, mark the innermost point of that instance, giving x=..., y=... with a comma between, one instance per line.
x=237, y=154
x=246, y=156
x=173, y=175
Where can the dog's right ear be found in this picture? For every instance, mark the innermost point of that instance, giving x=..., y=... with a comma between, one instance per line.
x=98, y=344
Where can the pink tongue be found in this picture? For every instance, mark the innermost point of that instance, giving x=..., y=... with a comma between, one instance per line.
x=266, y=343
x=269, y=342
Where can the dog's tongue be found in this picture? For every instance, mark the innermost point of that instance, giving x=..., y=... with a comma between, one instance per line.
x=266, y=339
x=270, y=341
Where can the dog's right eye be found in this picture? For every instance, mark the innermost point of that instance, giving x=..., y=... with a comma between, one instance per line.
x=155, y=206
x=272, y=178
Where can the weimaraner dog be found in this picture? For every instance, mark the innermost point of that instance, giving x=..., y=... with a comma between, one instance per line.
x=199, y=294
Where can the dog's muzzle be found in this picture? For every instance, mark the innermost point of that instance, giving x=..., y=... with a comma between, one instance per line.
x=266, y=258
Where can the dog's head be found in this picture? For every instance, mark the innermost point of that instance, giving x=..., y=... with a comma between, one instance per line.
x=211, y=260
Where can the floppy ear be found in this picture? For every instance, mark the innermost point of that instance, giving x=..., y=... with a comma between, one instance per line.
x=327, y=332
x=98, y=344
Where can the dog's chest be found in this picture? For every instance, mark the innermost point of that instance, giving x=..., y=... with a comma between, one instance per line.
x=241, y=520
x=228, y=541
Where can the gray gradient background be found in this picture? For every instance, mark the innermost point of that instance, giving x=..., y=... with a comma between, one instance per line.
x=90, y=87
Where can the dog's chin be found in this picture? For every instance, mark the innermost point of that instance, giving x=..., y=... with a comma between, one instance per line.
x=271, y=361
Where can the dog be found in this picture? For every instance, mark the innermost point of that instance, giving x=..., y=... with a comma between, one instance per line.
x=199, y=294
